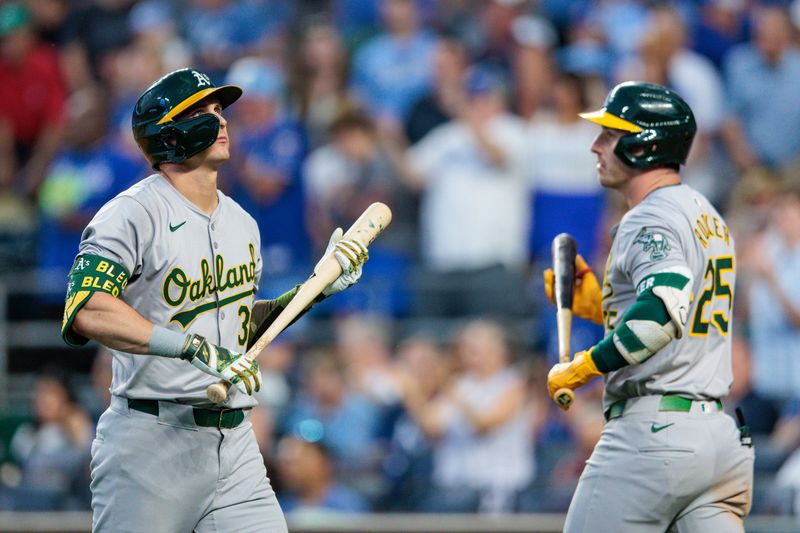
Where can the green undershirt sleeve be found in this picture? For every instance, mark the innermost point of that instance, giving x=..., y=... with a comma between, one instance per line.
x=647, y=306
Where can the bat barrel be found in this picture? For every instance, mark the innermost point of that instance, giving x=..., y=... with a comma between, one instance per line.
x=564, y=251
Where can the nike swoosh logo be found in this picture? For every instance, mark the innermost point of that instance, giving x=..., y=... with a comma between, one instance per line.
x=655, y=429
x=175, y=227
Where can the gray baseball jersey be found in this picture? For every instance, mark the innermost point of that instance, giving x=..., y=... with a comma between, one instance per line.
x=675, y=229
x=189, y=272
x=655, y=470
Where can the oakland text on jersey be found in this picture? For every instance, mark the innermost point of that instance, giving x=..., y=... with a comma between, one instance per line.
x=708, y=226
x=178, y=286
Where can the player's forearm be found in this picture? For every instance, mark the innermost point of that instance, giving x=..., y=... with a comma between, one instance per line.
x=113, y=323
x=608, y=353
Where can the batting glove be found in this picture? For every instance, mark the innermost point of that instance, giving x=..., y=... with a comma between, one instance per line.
x=351, y=256
x=587, y=301
x=235, y=368
x=577, y=373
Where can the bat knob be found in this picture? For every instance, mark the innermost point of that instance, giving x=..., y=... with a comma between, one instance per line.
x=564, y=398
x=217, y=393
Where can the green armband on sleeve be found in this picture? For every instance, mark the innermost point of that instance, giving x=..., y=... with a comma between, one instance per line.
x=266, y=311
x=646, y=326
x=89, y=274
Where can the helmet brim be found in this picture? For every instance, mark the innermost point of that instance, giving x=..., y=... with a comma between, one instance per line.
x=606, y=119
x=227, y=94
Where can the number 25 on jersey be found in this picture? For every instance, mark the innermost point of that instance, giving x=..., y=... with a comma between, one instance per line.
x=716, y=300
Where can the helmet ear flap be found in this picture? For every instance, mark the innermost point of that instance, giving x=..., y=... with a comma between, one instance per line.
x=181, y=140
x=172, y=139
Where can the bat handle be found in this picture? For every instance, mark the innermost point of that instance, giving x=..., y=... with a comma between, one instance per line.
x=218, y=392
x=564, y=398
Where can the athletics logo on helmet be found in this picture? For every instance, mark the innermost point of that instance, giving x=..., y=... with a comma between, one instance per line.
x=159, y=135
x=660, y=123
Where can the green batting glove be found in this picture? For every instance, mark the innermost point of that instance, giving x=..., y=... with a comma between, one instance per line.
x=235, y=368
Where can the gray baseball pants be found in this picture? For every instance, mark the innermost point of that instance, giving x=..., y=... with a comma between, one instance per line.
x=165, y=474
x=654, y=472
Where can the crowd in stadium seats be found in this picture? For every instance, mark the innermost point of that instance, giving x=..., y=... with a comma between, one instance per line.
x=462, y=116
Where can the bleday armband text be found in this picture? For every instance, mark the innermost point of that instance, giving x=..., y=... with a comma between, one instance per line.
x=89, y=274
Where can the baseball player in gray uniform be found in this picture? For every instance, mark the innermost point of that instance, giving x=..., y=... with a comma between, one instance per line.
x=165, y=277
x=669, y=458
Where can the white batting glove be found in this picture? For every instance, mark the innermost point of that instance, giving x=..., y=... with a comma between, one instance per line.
x=235, y=368
x=351, y=256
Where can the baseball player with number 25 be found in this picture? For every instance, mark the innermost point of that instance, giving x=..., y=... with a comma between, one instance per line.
x=165, y=277
x=669, y=458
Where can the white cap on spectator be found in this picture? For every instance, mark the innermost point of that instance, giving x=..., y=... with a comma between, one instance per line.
x=534, y=31
x=257, y=78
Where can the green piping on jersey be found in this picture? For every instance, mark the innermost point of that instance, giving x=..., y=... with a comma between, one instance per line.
x=647, y=306
x=89, y=274
x=184, y=318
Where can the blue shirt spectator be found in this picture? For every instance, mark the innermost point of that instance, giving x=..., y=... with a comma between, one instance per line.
x=306, y=470
x=268, y=183
x=84, y=176
x=764, y=100
x=393, y=70
x=221, y=31
x=774, y=315
x=326, y=407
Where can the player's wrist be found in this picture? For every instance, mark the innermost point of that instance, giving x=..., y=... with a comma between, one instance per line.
x=166, y=342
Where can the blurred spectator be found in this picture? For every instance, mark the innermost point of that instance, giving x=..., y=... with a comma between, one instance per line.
x=760, y=413
x=566, y=194
x=97, y=398
x=358, y=20
x=441, y=104
x=764, y=126
x=393, y=69
x=665, y=59
x=354, y=170
x=326, y=406
x=100, y=28
x=53, y=452
x=310, y=489
x=342, y=178
x=318, y=85
x=268, y=170
x=220, y=31
x=276, y=363
x=32, y=102
x=620, y=23
x=774, y=262
x=482, y=427
x=87, y=172
x=496, y=44
x=152, y=23
x=475, y=207
x=532, y=63
x=721, y=26
x=420, y=370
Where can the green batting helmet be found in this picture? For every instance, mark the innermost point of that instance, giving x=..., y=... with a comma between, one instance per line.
x=159, y=135
x=660, y=123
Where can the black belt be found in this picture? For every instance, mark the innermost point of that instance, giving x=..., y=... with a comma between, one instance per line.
x=211, y=418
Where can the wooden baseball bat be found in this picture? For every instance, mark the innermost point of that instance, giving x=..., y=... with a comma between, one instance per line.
x=564, y=250
x=372, y=221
